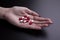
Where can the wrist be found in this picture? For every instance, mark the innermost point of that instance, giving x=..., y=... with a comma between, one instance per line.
x=3, y=11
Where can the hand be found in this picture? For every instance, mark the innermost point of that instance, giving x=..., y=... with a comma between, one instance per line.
x=15, y=13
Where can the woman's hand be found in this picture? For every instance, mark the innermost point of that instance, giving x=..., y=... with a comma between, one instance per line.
x=16, y=12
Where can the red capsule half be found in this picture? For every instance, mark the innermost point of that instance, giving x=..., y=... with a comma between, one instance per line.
x=30, y=23
x=20, y=19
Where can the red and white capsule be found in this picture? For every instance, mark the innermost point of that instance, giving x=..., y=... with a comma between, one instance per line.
x=26, y=19
x=31, y=22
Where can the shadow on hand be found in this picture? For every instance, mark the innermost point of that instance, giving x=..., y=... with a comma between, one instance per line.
x=36, y=33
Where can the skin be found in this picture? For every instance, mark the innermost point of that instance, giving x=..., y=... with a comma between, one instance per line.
x=14, y=13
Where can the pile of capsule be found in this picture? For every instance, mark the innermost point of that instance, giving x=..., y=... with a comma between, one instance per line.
x=26, y=19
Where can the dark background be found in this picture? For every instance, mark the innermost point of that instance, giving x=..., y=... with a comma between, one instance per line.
x=46, y=8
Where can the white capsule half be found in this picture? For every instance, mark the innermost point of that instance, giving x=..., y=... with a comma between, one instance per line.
x=21, y=21
x=25, y=21
x=32, y=20
x=22, y=17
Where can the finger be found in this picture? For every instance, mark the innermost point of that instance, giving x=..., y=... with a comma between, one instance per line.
x=43, y=25
x=40, y=18
x=30, y=12
x=34, y=13
x=26, y=25
x=35, y=26
x=42, y=22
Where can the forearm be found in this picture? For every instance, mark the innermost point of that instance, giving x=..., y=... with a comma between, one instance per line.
x=3, y=11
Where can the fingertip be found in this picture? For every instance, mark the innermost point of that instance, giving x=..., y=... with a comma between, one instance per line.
x=50, y=20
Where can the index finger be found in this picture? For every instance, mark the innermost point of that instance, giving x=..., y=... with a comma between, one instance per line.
x=32, y=12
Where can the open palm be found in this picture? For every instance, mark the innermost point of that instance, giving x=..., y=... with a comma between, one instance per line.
x=17, y=12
